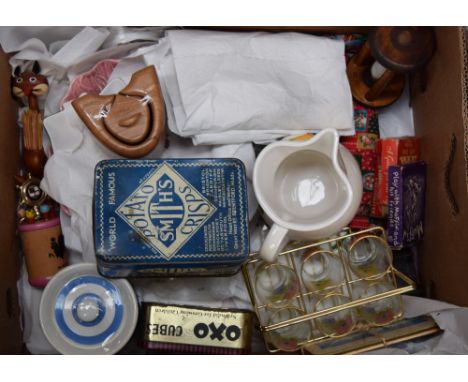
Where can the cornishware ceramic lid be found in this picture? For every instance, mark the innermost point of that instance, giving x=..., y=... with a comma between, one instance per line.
x=82, y=312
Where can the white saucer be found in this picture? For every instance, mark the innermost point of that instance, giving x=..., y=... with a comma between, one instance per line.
x=82, y=312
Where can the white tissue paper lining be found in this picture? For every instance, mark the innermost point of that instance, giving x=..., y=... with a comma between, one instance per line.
x=241, y=87
x=396, y=120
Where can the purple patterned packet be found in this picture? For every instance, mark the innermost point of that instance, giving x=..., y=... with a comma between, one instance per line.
x=406, y=198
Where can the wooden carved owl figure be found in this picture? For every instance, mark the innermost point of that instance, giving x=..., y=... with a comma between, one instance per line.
x=29, y=84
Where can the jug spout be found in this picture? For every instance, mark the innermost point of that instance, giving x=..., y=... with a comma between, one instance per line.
x=326, y=142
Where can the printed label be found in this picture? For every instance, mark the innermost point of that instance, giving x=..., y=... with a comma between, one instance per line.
x=166, y=210
x=165, y=215
x=195, y=326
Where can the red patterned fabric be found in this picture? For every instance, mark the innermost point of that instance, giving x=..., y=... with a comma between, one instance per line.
x=363, y=145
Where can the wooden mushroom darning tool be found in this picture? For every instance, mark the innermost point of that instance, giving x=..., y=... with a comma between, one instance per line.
x=377, y=72
x=131, y=122
x=31, y=85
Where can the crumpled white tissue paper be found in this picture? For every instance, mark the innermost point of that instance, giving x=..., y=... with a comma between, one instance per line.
x=396, y=120
x=451, y=318
x=62, y=53
x=241, y=87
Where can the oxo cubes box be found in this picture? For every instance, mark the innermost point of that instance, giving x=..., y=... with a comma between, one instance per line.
x=170, y=217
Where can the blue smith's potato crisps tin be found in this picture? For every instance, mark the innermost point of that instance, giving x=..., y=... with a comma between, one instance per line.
x=170, y=217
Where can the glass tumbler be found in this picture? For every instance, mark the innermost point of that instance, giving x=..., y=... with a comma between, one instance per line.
x=382, y=311
x=275, y=284
x=369, y=256
x=337, y=323
x=289, y=337
x=321, y=270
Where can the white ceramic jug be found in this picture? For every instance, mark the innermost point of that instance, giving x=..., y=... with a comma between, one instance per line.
x=309, y=189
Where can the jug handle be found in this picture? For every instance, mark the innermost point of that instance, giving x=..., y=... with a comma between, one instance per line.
x=275, y=241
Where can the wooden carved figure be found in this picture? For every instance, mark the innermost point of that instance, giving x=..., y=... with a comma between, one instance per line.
x=29, y=86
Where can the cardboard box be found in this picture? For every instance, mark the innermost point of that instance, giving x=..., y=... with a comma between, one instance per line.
x=441, y=121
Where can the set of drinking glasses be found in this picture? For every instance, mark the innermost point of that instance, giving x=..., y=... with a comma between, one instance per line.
x=325, y=290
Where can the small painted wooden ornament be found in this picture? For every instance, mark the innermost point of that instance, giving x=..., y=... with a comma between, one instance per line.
x=28, y=86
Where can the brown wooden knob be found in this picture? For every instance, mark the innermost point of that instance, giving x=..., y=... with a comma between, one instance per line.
x=34, y=161
x=402, y=49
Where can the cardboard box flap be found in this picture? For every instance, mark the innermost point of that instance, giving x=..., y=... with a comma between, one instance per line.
x=464, y=47
x=9, y=258
x=440, y=117
x=441, y=120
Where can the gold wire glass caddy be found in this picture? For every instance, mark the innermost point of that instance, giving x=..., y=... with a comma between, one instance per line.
x=311, y=310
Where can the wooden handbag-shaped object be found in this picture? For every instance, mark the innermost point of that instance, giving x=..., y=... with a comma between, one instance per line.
x=131, y=122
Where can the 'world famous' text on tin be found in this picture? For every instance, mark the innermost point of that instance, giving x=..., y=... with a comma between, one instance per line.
x=112, y=224
x=166, y=210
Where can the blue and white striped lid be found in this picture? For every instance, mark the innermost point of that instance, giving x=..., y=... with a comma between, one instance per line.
x=82, y=312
